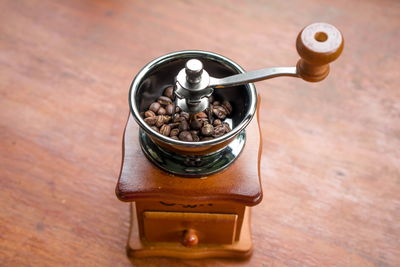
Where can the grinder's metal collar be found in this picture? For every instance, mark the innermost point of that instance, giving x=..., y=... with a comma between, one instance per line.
x=192, y=87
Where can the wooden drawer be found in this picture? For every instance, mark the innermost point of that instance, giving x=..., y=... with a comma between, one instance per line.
x=214, y=228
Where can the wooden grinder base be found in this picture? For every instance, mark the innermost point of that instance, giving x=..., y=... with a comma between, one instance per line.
x=216, y=209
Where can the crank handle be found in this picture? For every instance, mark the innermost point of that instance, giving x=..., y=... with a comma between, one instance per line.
x=318, y=44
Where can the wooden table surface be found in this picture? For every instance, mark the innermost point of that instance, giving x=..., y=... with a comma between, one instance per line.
x=331, y=150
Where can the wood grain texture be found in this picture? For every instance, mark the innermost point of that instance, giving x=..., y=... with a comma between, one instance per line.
x=331, y=157
x=161, y=226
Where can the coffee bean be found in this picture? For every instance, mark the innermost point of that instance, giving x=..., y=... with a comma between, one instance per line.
x=159, y=121
x=204, y=120
x=174, y=137
x=149, y=113
x=151, y=120
x=161, y=111
x=155, y=129
x=184, y=126
x=227, y=127
x=169, y=92
x=176, y=117
x=219, y=112
x=210, y=114
x=219, y=131
x=174, y=132
x=154, y=107
x=217, y=122
x=195, y=137
x=185, y=115
x=227, y=106
x=166, y=118
x=163, y=100
x=165, y=130
x=226, y=110
x=216, y=103
x=196, y=124
x=177, y=109
x=182, y=119
x=174, y=125
x=186, y=136
x=170, y=108
x=200, y=115
x=207, y=130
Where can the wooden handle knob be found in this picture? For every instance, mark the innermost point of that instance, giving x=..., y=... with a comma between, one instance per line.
x=190, y=238
x=318, y=44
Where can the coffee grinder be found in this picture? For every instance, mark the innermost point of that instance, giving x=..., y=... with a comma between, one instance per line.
x=193, y=199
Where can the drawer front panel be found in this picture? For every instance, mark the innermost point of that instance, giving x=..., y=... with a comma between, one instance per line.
x=170, y=226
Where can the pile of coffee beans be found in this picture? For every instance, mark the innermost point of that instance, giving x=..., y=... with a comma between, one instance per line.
x=169, y=120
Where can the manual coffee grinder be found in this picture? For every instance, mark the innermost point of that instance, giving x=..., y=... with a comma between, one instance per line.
x=192, y=199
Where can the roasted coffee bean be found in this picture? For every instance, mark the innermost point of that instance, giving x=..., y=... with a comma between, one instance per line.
x=219, y=112
x=200, y=115
x=174, y=125
x=216, y=103
x=224, y=108
x=163, y=100
x=166, y=118
x=185, y=115
x=227, y=106
x=219, y=131
x=174, y=137
x=186, y=136
x=177, y=109
x=176, y=117
x=195, y=137
x=151, y=120
x=196, y=124
x=170, y=108
x=217, y=122
x=206, y=138
x=181, y=119
x=165, y=130
x=194, y=132
x=154, y=107
x=159, y=120
x=210, y=114
x=227, y=127
x=207, y=130
x=184, y=126
x=174, y=132
x=169, y=92
x=149, y=113
x=155, y=129
x=204, y=120
x=161, y=111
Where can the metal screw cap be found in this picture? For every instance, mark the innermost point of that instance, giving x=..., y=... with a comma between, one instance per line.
x=194, y=70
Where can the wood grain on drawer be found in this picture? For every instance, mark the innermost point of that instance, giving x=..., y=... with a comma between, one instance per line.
x=170, y=226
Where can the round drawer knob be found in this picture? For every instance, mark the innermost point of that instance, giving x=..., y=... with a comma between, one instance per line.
x=190, y=238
